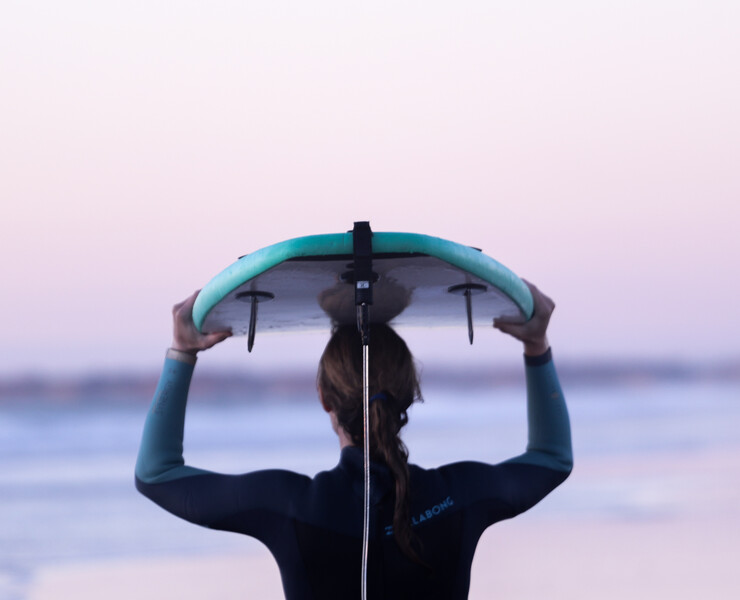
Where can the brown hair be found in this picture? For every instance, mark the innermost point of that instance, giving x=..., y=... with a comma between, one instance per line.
x=392, y=373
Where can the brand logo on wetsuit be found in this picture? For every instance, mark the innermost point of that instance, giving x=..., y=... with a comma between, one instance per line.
x=425, y=515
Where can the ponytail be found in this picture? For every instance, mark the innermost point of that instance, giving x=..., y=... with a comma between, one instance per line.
x=394, y=386
x=393, y=452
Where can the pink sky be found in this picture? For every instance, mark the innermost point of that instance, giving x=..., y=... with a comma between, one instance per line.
x=593, y=149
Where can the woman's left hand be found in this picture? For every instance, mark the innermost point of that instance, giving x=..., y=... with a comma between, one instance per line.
x=185, y=336
x=533, y=333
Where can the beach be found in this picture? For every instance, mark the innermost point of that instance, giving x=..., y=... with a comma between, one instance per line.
x=677, y=560
x=671, y=533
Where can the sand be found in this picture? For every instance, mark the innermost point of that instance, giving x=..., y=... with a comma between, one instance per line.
x=676, y=560
x=680, y=542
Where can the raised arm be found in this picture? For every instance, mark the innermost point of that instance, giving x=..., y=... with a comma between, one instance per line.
x=549, y=443
x=160, y=453
x=203, y=497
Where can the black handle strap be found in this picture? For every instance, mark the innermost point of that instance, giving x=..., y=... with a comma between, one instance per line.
x=362, y=250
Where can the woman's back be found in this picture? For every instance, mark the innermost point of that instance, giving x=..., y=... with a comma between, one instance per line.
x=313, y=527
x=424, y=524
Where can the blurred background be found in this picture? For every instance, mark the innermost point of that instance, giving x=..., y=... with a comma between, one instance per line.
x=590, y=147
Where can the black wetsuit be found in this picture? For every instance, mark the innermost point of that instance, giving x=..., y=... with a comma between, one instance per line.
x=313, y=526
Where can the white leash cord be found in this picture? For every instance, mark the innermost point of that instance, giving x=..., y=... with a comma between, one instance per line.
x=366, y=453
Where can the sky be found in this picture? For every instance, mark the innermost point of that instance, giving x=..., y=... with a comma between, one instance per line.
x=591, y=147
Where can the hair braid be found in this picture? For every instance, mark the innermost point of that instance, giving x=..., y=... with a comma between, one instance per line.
x=392, y=372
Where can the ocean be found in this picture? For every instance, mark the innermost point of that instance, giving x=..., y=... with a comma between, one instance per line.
x=67, y=493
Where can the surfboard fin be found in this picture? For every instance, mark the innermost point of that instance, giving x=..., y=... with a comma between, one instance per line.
x=469, y=312
x=254, y=298
x=468, y=290
x=252, y=324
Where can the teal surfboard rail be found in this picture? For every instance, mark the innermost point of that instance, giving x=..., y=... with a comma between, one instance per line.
x=332, y=244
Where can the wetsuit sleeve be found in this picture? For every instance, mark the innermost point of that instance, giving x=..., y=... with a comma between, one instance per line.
x=254, y=503
x=549, y=441
x=160, y=453
x=504, y=490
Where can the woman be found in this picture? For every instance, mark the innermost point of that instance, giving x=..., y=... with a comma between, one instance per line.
x=425, y=524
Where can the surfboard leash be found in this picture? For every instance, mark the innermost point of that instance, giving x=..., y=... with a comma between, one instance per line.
x=362, y=248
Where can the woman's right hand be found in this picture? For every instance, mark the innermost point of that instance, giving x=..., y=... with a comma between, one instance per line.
x=532, y=333
x=185, y=336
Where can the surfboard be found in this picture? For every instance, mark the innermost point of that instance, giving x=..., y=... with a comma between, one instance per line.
x=360, y=277
x=309, y=283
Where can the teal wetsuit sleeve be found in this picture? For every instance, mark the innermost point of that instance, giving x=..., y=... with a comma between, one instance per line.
x=160, y=453
x=504, y=490
x=200, y=496
x=549, y=444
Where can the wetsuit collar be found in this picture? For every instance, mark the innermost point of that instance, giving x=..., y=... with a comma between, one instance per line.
x=381, y=480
